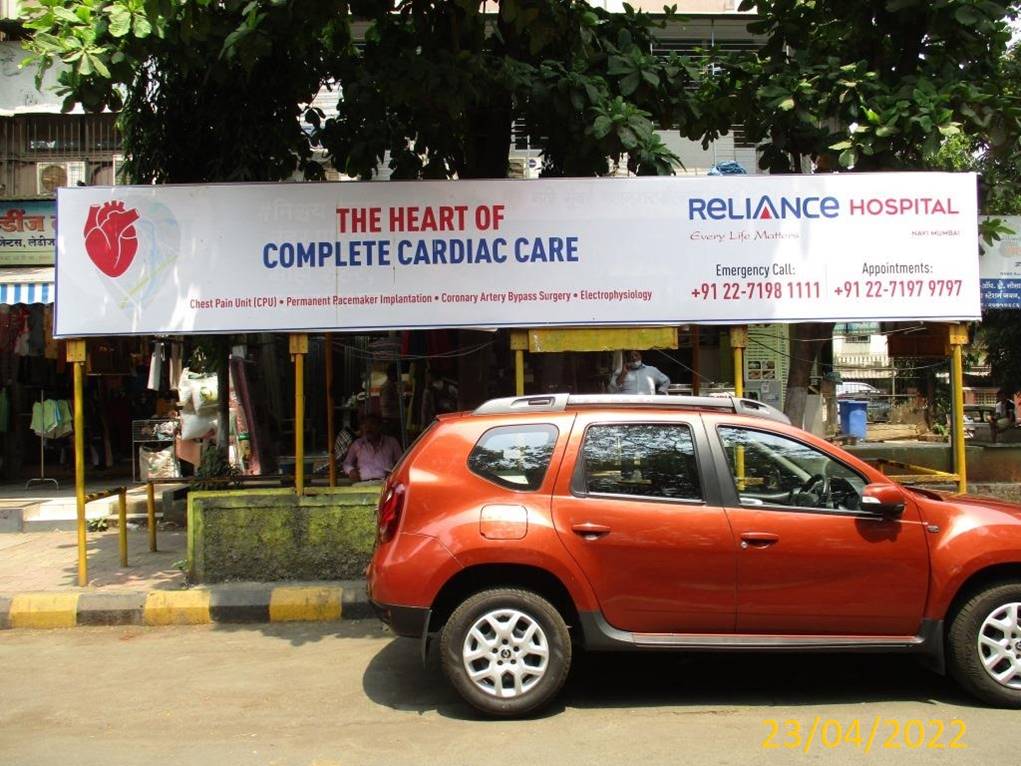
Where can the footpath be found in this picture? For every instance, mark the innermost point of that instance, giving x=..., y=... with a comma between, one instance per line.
x=39, y=573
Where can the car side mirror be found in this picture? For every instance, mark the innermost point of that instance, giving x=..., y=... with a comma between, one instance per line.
x=883, y=500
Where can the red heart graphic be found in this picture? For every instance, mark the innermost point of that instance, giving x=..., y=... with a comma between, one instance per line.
x=110, y=237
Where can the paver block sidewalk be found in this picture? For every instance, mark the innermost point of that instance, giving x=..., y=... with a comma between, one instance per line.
x=39, y=573
x=47, y=561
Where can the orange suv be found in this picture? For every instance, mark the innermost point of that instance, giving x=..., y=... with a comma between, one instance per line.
x=538, y=525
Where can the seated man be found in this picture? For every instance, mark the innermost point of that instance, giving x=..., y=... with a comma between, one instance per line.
x=1003, y=415
x=372, y=455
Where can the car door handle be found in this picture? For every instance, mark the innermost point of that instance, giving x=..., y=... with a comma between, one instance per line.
x=590, y=531
x=758, y=539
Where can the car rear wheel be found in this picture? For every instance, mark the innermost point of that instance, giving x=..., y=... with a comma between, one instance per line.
x=985, y=645
x=506, y=651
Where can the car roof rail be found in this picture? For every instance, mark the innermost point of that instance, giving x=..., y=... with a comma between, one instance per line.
x=560, y=402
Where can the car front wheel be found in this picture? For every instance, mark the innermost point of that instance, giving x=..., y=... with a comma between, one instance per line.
x=506, y=651
x=985, y=645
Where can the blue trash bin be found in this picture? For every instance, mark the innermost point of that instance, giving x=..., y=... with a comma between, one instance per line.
x=853, y=417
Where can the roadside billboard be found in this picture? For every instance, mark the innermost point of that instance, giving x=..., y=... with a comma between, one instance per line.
x=1000, y=268
x=568, y=252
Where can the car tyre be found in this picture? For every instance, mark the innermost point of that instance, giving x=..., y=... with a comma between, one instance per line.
x=506, y=651
x=987, y=620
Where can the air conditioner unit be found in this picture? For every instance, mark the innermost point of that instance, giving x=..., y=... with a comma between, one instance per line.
x=524, y=167
x=10, y=10
x=51, y=175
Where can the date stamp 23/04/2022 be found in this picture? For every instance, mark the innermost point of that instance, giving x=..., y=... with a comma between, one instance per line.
x=878, y=734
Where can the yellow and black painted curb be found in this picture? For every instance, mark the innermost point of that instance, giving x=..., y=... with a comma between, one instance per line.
x=228, y=603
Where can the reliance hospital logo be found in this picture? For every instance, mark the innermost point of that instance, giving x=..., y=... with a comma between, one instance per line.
x=785, y=207
x=133, y=247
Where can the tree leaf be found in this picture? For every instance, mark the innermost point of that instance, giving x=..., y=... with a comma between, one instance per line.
x=630, y=84
x=141, y=25
x=786, y=105
x=848, y=158
x=627, y=137
x=120, y=21
x=601, y=126
x=66, y=14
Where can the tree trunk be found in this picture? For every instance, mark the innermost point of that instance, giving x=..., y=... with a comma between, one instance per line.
x=806, y=340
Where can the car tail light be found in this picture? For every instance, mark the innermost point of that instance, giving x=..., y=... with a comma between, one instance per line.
x=390, y=506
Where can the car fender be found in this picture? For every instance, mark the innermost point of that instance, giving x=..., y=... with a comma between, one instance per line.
x=964, y=539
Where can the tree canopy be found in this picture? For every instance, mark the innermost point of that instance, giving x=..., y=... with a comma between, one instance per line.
x=207, y=90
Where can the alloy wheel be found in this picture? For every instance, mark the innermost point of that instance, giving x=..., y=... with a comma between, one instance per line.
x=506, y=653
x=999, y=645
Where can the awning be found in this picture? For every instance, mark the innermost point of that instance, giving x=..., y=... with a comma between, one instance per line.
x=26, y=285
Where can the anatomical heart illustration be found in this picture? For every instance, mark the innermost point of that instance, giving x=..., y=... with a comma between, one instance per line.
x=110, y=237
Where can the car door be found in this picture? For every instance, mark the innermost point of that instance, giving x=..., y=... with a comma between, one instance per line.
x=810, y=561
x=636, y=505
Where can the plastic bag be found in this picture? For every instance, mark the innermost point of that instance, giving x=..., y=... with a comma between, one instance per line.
x=197, y=391
x=158, y=463
x=197, y=425
x=204, y=395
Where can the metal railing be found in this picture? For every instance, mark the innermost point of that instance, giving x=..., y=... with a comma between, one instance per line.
x=122, y=516
x=226, y=482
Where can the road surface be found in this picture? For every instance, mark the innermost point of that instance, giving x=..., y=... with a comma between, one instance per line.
x=348, y=693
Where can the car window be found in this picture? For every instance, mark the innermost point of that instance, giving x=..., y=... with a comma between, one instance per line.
x=770, y=469
x=641, y=459
x=515, y=457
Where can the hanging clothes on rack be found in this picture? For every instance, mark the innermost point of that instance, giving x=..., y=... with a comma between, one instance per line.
x=176, y=362
x=155, y=366
x=51, y=418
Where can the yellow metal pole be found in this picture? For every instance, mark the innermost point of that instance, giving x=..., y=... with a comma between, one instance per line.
x=519, y=372
x=958, y=337
x=738, y=342
x=76, y=356
x=330, y=425
x=150, y=511
x=696, y=361
x=122, y=524
x=299, y=347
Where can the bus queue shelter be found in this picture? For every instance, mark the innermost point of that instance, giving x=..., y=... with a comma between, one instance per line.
x=579, y=263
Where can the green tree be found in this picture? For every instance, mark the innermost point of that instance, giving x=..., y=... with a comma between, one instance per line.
x=440, y=83
x=868, y=85
x=207, y=90
x=999, y=170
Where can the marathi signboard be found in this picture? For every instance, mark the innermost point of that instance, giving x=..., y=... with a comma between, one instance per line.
x=28, y=232
x=1000, y=267
x=648, y=251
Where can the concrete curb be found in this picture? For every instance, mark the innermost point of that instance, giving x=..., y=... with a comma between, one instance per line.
x=226, y=603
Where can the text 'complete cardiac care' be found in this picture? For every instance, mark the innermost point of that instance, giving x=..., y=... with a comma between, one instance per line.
x=419, y=252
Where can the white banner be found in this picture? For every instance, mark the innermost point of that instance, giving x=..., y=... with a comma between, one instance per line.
x=393, y=255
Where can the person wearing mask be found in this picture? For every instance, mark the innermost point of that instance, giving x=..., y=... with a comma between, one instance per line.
x=635, y=377
x=373, y=454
